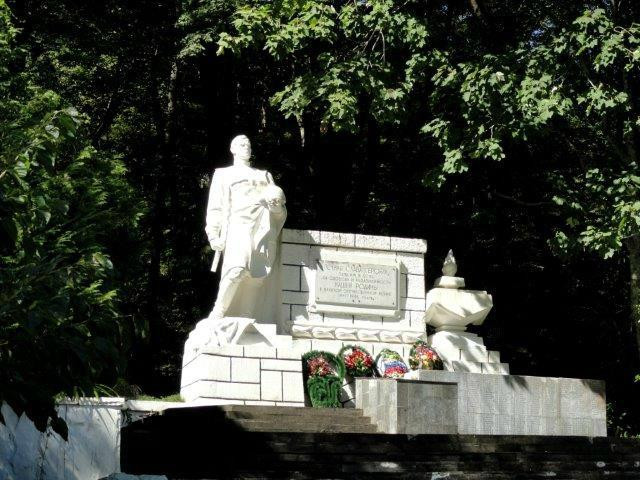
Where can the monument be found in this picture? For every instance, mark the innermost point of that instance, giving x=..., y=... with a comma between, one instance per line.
x=286, y=292
x=245, y=215
x=451, y=310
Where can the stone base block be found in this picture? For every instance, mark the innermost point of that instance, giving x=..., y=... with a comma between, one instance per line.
x=466, y=352
x=495, y=368
x=466, y=366
x=244, y=375
x=479, y=404
x=407, y=406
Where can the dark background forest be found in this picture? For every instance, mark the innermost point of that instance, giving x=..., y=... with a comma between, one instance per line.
x=505, y=130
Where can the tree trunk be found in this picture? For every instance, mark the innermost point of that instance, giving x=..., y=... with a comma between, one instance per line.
x=366, y=162
x=633, y=248
x=165, y=122
x=217, y=77
x=105, y=119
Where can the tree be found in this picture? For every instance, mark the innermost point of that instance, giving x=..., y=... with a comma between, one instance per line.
x=60, y=202
x=576, y=85
x=577, y=88
x=527, y=112
x=337, y=93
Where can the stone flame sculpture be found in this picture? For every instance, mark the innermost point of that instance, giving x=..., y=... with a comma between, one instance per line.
x=449, y=267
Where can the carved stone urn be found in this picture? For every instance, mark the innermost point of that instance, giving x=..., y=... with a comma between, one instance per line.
x=450, y=308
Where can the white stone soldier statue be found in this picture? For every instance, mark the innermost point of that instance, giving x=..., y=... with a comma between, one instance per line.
x=245, y=215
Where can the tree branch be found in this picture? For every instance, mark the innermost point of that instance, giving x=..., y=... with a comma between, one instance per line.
x=521, y=202
x=478, y=10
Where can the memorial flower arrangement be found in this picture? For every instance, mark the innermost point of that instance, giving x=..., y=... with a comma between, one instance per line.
x=423, y=357
x=319, y=366
x=358, y=362
x=389, y=364
x=325, y=374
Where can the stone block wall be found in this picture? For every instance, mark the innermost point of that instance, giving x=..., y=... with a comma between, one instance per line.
x=91, y=452
x=300, y=253
x=244, y=375
x=409, y=407
x=93, y=448
x=466, y=352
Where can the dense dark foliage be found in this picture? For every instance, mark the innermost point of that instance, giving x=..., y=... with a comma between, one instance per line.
x=62, y=205
x=504, y=130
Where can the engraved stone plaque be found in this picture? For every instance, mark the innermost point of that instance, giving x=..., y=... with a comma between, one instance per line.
x=353, y=284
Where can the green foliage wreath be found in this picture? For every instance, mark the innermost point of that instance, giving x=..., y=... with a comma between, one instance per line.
x=324, y=372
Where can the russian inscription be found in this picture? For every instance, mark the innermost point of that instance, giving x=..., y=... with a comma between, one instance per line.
x=357, y=284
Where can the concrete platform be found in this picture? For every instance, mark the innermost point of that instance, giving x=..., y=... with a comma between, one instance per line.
x=441, y=402
x=212, y=442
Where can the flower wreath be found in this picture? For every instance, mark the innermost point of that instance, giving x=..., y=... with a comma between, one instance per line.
x=324, y=372
x=423, y=357
x=358, y=362
x=322, y=364
x=389, y=364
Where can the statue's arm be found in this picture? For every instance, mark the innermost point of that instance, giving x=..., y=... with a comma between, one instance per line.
x=213, y=225
x=278, y=209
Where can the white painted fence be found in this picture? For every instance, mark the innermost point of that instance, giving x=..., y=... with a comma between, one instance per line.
x=93, y=449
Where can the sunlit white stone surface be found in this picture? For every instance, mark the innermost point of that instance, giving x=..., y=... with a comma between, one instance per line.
x=451, y=310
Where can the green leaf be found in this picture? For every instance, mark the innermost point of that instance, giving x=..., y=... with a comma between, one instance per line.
x=11, y=228
x=59, y=426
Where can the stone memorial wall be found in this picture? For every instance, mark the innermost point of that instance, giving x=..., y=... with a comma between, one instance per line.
x=442, y=402
x=338, y=289
x=349, y=288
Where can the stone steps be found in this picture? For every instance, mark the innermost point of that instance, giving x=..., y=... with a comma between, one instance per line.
x=442, y=475
x=279, y=442
x=466, y=352
x=319, y=427
x=482, y=462
x=340, y=467
x=417, y=471
x=465, y=444
x=284, y=419
x=275, y=418
x=304, y=412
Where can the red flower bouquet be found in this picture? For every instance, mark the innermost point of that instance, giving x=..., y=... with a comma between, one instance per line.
x=319, y=367
x=423, y=357
x=357, y=361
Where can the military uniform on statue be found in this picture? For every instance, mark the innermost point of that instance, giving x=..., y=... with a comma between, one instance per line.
x=245, y=215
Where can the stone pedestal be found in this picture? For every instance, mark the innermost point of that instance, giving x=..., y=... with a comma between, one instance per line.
x=338, y=289
x=466, y=352
x=395, y=319
x=469, y=403
x=244, y=375
x=450, y=310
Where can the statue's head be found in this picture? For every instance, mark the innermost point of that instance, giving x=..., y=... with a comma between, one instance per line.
x=241, y=150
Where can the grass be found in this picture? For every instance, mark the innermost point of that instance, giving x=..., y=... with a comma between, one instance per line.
x=169, y=398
